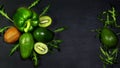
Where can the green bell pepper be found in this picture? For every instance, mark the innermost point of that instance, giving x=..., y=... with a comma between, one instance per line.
x=25, y=19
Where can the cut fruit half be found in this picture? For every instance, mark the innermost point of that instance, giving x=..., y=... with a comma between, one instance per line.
x=45, y=21
x=41, y=48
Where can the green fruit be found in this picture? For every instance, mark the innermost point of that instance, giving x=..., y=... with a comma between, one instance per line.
x=45, y=21
x=43, y=35
x=26, y=42
x=40, y=48
x=108, y=38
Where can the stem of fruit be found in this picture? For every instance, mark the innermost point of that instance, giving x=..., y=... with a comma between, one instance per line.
x=27, y=25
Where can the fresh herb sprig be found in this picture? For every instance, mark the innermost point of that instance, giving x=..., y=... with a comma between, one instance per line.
x=15, y=47
x=3, y=13
x=44, y=11
x=34, y=4
x=108, y=56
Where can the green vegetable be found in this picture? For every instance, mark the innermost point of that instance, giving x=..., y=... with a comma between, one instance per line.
x=25, y=19
x=41, y=48
x=3, y=13
x=26, y=43
x=34, y=4
x=3, y=29
x=44, y=11
x=108, y=38
x=35, y=59
x=109, y=49
x=45, y=21
x=54, y=44
x=43, y=34
x=108, y=56
x=14, y=49
x=109, y=18
x=60, y=29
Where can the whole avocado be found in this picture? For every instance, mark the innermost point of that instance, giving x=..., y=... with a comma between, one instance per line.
x=43, y=34
x=108, y=38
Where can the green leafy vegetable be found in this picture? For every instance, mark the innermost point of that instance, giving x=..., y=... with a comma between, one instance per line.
x=115, y=51
x=45, y=10
x=14, y=49
x=109, y=40
x=103, y=52
x=60, y=29
x=35, y=59
x=2, y=12
x=109, y=18
x=33, y=4
x=26, y=20
x=3, y=29
x=54, y=44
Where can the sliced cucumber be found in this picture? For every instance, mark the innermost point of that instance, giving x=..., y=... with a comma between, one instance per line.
x=45, y=21
x=41, y=48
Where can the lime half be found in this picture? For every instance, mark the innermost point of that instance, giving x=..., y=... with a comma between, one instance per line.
x=45, y=21
x=40, y=48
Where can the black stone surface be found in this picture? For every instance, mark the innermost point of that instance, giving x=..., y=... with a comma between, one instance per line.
x=80, y=48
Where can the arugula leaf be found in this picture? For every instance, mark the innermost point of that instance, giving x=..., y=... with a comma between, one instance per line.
x=45, y=10
x=115, y=51
x=14, y=49
x=2, y=12
x=60, y=29
x=35, y=59
x=54, y=44
x=104, y=52
x=103, y=60
x=33, y=4
x=3, y=29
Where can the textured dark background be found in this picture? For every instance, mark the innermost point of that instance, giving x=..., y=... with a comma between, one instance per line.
x=80, y=48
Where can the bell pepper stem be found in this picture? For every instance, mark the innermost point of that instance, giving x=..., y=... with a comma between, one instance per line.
x=27, y=26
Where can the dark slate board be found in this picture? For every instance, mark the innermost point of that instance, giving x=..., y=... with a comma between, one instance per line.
x=80, y=48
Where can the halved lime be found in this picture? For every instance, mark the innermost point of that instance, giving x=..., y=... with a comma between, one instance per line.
x=40, y=48
x=45, y=21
